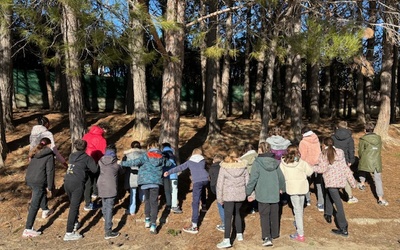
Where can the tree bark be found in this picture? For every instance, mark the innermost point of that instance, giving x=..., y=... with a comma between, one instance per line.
x=6, y=80
x=141, y=126
x=246, y=84
x=382, y=125
x=203, y=60
x=314, y=94
x=172, y=76
x=360, y=110
x=393, y=94
x=73, y=73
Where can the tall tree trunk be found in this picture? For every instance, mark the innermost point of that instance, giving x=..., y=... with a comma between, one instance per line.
x=141, y=126
x=370, y=58
x=382, y=125
x=213, y=128
x=314, y=94
x=226, y=66
x=48, y=88
x=335, y=94
x=203, y=59
x=246, y=84
x=280, y=93
x=394, y=97
x=6, y=81
x=73, y=73
x=360, y=109
x=266, y=113
x=172, y=76
x=326, y=93
x=289, y=87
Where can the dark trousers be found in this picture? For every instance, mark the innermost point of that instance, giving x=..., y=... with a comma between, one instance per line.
x=269, y=219
x=333, y=196
x=75, y=193
x=107, y=209
x=151, y=204
x=231, y=207
x=168, y=191
x=90, y=188
x=39, y=200
x=199, y=193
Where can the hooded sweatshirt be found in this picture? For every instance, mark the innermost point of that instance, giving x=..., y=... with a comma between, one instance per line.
x=79, y=163
x=40, y=171
x=39, y=132
x=232, y=181
x=343, y=139
x=337, y=174
x=369, y=151
x=197, y=167
x=168, y=153
x=131, y=175
x=310, y=148
x=266, y=179
x=108, y=179
x=278, y=145
x=295, y=174
x=96, y=143
x=150, y=167
x=249, y=156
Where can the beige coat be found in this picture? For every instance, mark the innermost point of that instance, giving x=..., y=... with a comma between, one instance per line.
x=232, y=181
x=296, y=176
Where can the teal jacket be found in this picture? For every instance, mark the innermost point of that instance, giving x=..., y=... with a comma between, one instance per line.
x=266, y=179
x=369, y=151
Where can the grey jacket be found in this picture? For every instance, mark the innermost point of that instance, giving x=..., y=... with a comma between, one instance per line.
x=131, y=174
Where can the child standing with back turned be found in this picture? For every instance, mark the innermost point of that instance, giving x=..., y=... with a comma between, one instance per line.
x=196, y=164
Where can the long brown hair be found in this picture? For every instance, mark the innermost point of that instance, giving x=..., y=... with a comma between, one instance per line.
x=292, y=154
x=264, y=147
x=232, y=156
x=42, y=144
x=329, y=151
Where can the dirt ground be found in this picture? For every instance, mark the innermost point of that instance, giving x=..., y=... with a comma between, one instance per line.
x=370, y=225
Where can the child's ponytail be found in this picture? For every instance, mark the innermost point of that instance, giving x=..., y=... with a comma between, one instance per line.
x=42, y=144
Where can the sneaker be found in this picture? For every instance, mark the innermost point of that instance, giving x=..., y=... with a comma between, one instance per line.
x=383, y=203
x=361, y=186
x=111, y=234
x=72, y=236
x=153, y=229
x=191, y=230
x=352, y=200
x=77, y=225
x=320, y=207
x=308, y=203
x=297, y=237
x=176, y=210
x=91, y=206
x=147, y=223
x=267, y=242
x=94, y=196
x=47, y=213
x=224, y=244
x=239, y=237
x=253, y=211
x=342, y=232
x=220, y=228
x=30, y=233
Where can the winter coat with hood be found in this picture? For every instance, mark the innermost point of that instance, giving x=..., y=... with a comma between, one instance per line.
x=278, y=145
x=131, y=174
x=39, y=132
x=337, y=174
x=249, y=156
x=40, y=172
x=369, y=151
x=197, y=166
x=107, y=182
x=310, y=148
x=96, y=143
x=150, y=167
x=343, y=139
x=232, y=180
x=295, y=174
x=168, y=153
x=266, y=179
x=79, y=163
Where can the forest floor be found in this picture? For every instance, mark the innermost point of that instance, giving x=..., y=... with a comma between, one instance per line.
x=370, y=225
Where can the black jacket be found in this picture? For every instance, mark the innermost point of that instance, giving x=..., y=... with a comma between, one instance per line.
x=343, y=139
x=40, y=171
x=213, y=173
x=78, y=165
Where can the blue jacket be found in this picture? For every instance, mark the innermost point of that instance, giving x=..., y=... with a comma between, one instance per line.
x=169, y=154
x=150, y=167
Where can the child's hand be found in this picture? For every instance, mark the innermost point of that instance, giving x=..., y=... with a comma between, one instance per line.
x=119, y=162
x=250, y=199
x=166, y=174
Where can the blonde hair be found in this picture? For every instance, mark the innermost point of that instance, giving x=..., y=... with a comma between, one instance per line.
x=232, y=156
x=197, y=151
x=217, y=158
x=292, y=154
x=342, y=124
x=264, y=147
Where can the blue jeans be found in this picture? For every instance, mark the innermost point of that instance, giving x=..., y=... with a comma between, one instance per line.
x=107, y=209
x=39, y=200
x=198, y=193
x=221, y=213
x=132, y=200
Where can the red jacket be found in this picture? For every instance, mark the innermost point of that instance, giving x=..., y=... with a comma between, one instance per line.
x=96, y=143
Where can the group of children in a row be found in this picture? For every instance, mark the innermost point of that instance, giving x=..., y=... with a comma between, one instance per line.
x=261, y=176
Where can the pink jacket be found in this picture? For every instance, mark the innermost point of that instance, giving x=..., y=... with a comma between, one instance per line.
x=337, y=174
x=310, y=148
